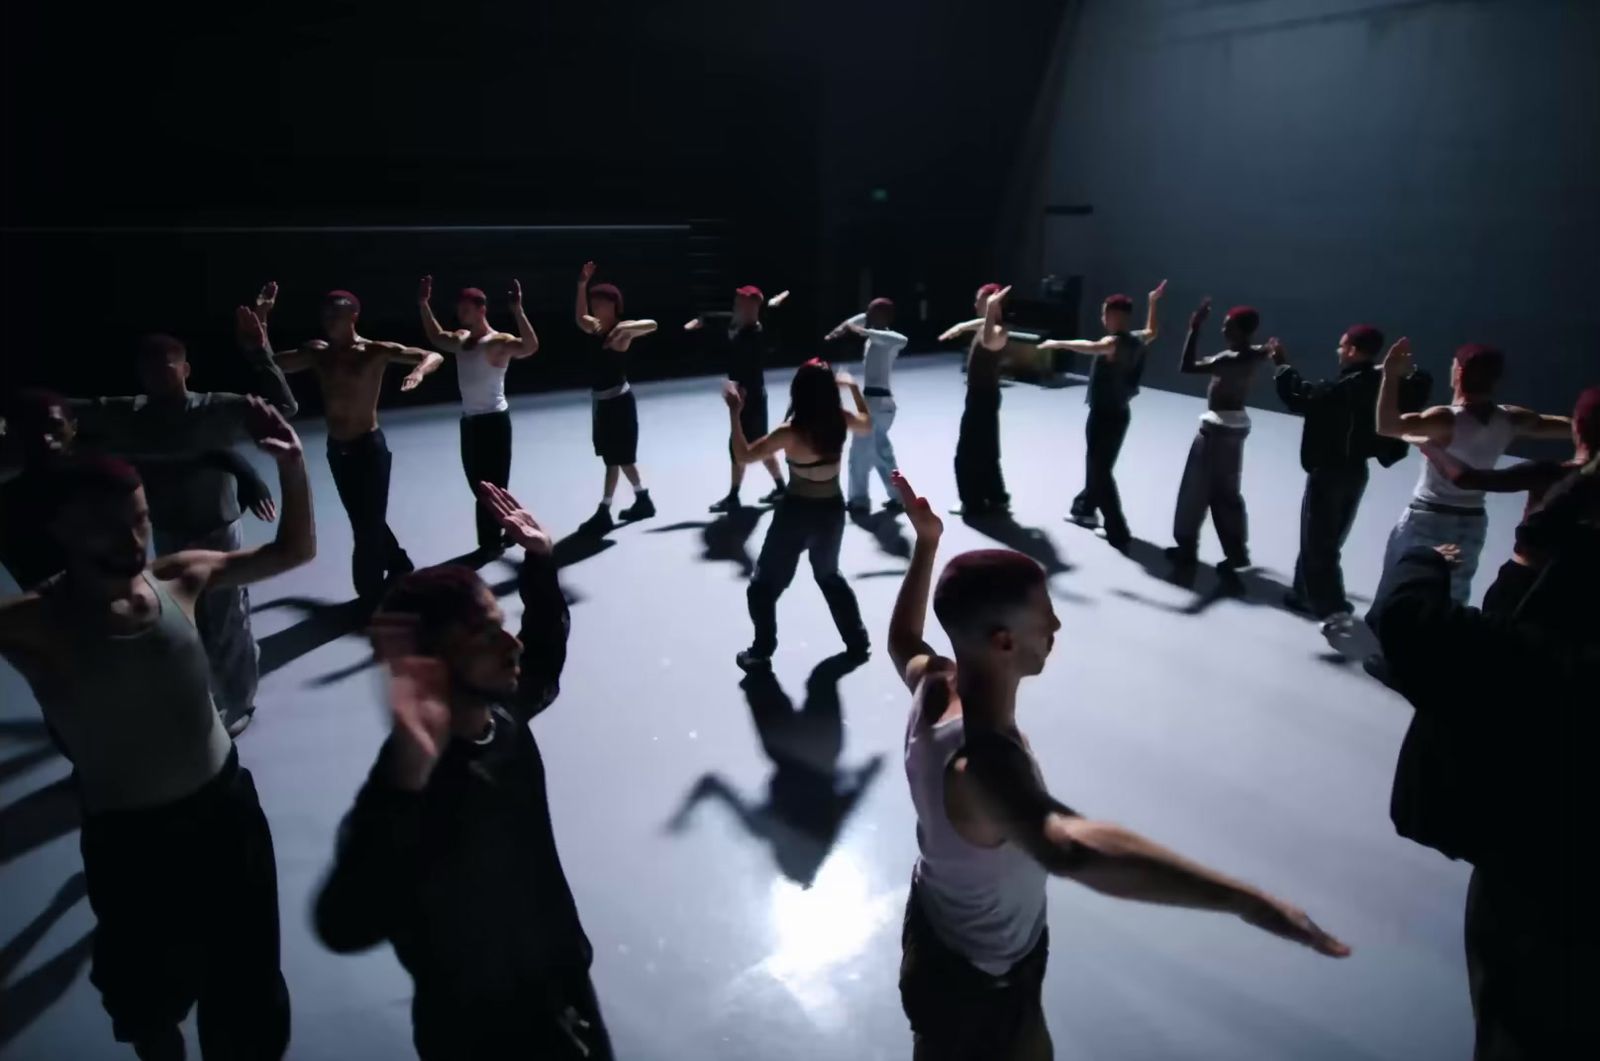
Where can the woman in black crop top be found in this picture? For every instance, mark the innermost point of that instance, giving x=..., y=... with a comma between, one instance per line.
x=616, y=417
x=810, y=517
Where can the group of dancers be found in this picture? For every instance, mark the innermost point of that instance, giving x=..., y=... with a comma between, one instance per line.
x=145, y=670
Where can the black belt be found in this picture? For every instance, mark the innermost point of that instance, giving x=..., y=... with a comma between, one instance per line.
x=876, y=392
x=1419, y=505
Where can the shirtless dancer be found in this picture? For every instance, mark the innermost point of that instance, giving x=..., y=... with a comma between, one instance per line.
x=350, y=369
x=176, y=852
x=1216, y=458
x=745, y=349
x=482, y=356
x=1114, y=377
x=616, y=416
x=990, y=833
x=979, y=481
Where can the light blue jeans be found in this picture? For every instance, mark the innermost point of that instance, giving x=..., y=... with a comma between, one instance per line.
x=874, y=450
x=1430, y=529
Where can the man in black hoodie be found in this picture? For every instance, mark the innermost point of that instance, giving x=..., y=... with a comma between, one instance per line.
x=1338, y=438
x=449, y=853
x=1496, y=768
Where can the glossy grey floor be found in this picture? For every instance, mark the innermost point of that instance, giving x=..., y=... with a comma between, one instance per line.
x=738, y=918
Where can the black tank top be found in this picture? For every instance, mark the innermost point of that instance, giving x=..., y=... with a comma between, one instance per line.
x=983, y=367
x=1114, y=379
x=608, y=368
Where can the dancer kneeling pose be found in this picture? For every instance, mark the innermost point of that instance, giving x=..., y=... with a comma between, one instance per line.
x=810, y=517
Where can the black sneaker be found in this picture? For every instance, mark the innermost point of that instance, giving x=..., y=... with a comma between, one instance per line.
x=773, y=496
x=642, y=508
x=1116, y=541
x=858, y=508
x=750, y=661
x=1181, y=556
x=893, y=506
x=1083, y=519
x=731, y=503
x=1236, y=563
x=600, y=522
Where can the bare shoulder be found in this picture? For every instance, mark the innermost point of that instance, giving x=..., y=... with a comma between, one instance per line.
x=184, y=573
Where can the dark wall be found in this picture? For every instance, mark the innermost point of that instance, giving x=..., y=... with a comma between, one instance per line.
x=763, y=126
x=1431, y=167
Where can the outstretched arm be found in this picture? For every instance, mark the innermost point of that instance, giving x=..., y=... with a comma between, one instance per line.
x=1436, y=425
x=447, y=341
x=1530, y=424
x=426, y=361
x=1093, y=347
x=1188, y=362
x=956, y=331
x=998, y=789
x=197, y=570
x=1152, y=321
x=580, y=311
x=910, y=653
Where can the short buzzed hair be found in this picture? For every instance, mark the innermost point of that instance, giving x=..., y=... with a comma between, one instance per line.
x=161, y=347
x=435, y=597
x=1119, y=302
x=1364, y=338
x=978, y=588
x=89, y=477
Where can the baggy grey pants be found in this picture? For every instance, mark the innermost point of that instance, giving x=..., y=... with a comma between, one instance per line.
x=1211, y=481
x=222, y=617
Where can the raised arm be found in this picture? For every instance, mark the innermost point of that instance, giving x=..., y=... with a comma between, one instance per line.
x=910, y=653
x=580, y=310
x=546, y=619
x=997, y=787
x=284, y=361
x=527, y=339
x=1152, y=320
x=1530, y=424
x=1188, y=361
x=268, y=379
x=1436, y=425
x=858, y=420
x=858, y=325
x=994, y=335
x=450, y=342
x=744, y=450
x=1297, y=395
x=197, y=570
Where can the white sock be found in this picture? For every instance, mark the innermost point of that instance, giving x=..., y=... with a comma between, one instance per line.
x=605, y=502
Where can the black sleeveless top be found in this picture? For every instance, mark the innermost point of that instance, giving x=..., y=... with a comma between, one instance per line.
x=983, y=367
x=1114, y=378
x=608, y=368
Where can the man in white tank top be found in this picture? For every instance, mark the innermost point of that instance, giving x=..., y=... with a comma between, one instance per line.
x=989, y=830
x=1476, y=432
x=177, y=856
x=482, y=356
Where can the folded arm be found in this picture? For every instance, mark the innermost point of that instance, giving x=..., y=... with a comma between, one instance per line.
x=1297, y=394
x=376, y=867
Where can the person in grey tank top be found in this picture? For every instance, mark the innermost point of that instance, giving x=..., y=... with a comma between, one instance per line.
x=482, y=357
x=1472, y=428
x=177, y=856
x=990, y=832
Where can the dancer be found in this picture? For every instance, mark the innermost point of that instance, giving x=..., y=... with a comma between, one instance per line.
x=1114, y=377
x=745, y=353
x=810, y=518
x=197, y=487
x=990, y=833
x=349, y=369
x=1518, y=574
x=616, y=416
x=1338, y=438
x=1216, y=458
x=979, y=481
x=883, y=345
x=176, y=851
x=1473, y=429
x=449, y=854
x=482, y=356
x=1495, y=769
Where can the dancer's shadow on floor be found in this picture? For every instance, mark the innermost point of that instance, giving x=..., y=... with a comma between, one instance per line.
x=1029, y=541
x=885, y=529
x=23, y=1000
x=809, y=796
x=39, y=817
x=573, y=549
x=726, y=538
x=324, y=623
x=1206, y=584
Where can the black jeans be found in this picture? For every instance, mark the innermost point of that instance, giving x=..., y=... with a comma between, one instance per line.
x=518, y=1032
x=361, y=475
x=1327, y=512
x=803, y=525
x=486, y=457
x=1104, y=431
x=979, y=481
x=185, y=898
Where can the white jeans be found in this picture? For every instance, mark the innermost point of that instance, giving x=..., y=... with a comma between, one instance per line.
x=874, y=450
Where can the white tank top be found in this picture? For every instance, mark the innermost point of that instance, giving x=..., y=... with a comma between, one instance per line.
x=1473, y=443
x=984, y=903
x=483, y=386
